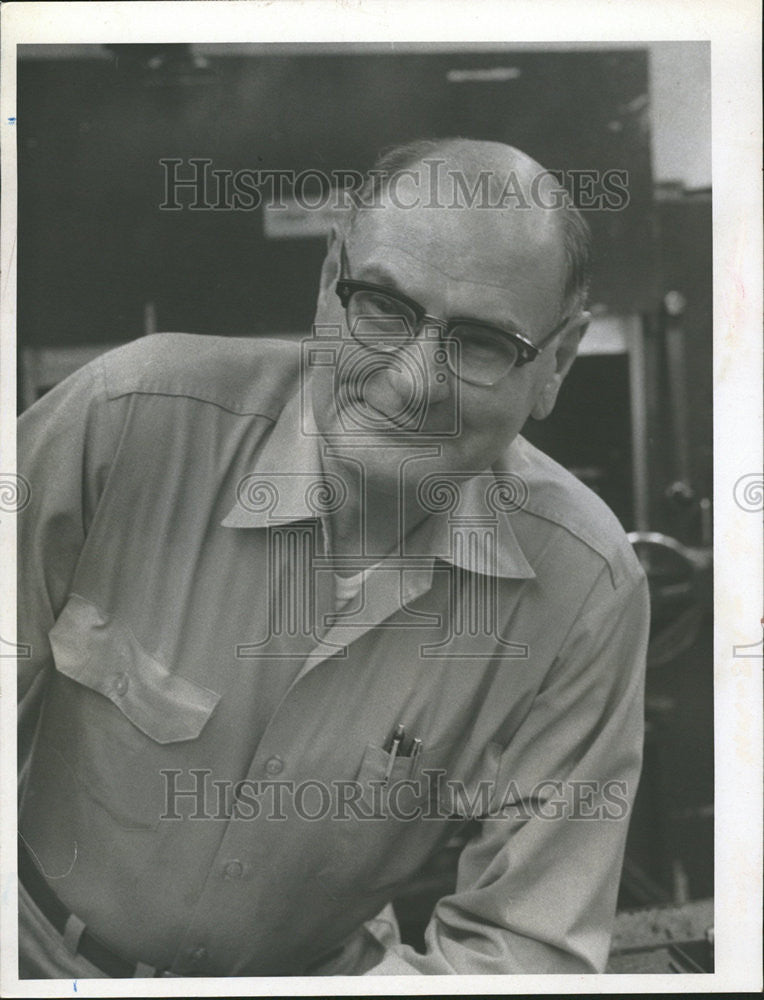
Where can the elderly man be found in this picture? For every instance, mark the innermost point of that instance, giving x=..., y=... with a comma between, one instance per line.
x=300, y=614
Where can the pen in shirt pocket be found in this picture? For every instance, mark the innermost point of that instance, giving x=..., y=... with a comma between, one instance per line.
x=414, y=753
x=395, y=744
x=397, y=748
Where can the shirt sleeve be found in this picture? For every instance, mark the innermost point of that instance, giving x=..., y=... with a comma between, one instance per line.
x=65, y=448
x=537, y=885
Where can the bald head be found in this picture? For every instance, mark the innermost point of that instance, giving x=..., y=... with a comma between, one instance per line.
x=492, y=196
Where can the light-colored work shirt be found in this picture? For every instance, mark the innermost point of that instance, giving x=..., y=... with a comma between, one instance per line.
x=208, y=780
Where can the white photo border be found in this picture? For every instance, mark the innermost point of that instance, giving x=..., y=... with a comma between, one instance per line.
x=732, y=30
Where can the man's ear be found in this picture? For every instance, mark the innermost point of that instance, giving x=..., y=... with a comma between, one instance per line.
x=330, y=270
x=564, y=356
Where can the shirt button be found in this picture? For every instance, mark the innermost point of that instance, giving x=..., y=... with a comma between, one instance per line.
x=233, y=869
x=274, y=765
x=121, y=683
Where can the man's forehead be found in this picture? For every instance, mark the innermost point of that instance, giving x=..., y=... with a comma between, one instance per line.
x=463, y=243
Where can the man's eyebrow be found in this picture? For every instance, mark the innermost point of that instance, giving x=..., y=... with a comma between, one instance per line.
x=381, y=275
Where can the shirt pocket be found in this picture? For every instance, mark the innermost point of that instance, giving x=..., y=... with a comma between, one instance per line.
x=411, y=816
x=117, y=715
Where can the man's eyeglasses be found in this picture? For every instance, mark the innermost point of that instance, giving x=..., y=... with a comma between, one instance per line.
x=385, y=320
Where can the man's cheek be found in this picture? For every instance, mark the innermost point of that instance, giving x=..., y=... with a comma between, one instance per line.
x=489, y=428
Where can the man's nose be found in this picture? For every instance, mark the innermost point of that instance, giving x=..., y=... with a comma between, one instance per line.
x=420, y=368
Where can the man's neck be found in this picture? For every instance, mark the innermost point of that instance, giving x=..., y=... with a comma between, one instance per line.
x=377, y=534
x=371, y=526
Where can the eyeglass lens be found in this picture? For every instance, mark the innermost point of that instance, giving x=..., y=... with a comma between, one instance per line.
x=384, y=323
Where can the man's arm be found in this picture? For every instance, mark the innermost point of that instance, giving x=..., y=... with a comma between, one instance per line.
x=536, y=889
x=65, y=447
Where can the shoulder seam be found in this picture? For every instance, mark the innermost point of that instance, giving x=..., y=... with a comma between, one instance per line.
x=120, y=394
x=617, y=574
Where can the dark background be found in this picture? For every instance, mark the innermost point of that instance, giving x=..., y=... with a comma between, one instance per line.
x=94, y=247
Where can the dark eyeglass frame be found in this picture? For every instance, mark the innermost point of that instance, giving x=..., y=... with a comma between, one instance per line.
x=526, y=350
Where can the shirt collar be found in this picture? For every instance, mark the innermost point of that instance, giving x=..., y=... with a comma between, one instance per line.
x=277, y=490
x=287, y=484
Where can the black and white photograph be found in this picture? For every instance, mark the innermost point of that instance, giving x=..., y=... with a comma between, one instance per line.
x=381, y=495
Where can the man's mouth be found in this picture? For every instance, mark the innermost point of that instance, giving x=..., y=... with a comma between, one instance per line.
x=377, y=417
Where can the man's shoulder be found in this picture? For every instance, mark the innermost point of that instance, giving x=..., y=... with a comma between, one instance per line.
x=555, y=498
x=241, y=374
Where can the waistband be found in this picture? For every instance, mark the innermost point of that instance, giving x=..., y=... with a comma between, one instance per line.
x=75, y=935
